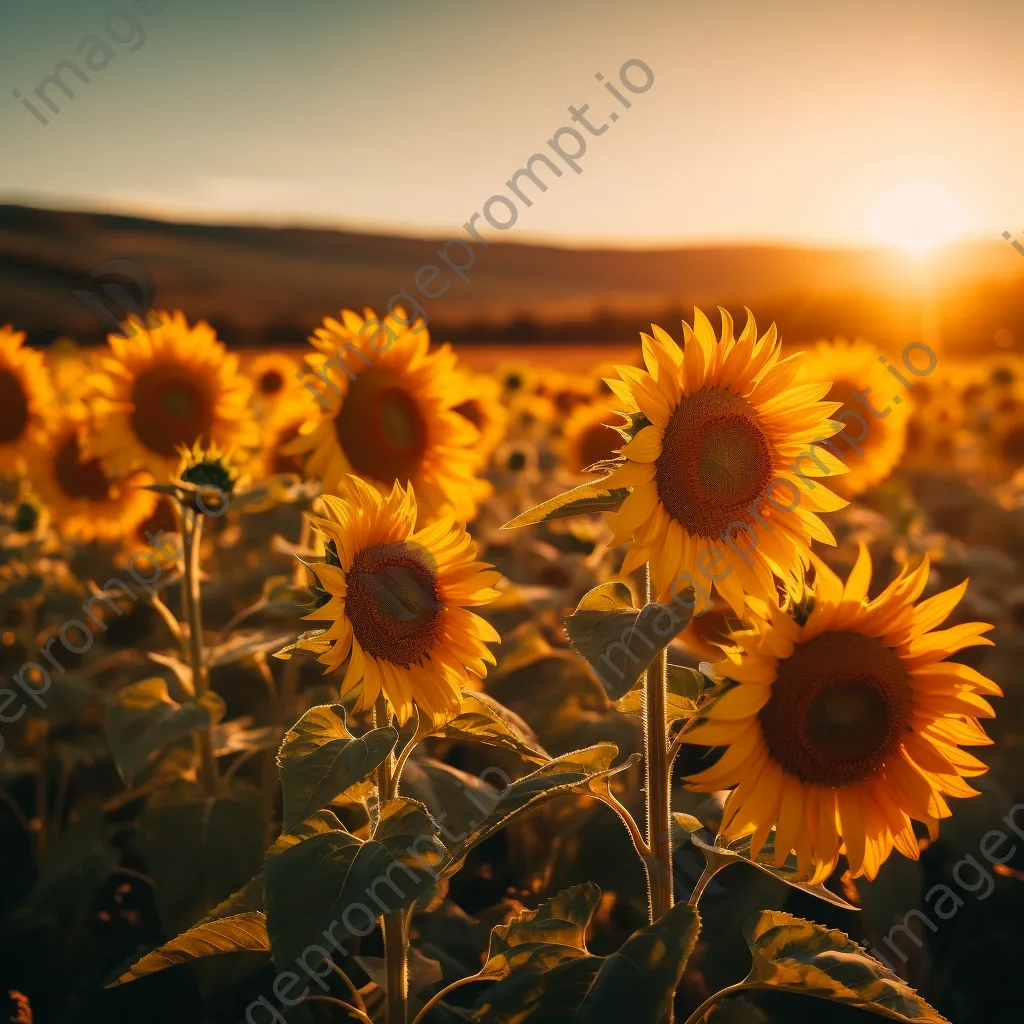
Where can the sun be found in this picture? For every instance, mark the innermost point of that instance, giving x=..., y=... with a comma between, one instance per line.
x=918, y=219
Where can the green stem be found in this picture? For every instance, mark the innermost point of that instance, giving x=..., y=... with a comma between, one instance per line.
x=698, y=1015
x=658, y=789
x=707, y=874
x=438, y=996
x=191, y=535
x=396, y=945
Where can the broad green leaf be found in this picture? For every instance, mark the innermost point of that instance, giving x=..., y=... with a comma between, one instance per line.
x=243, y=933
x=319, y=759
x=634, y=984
x=584, y=771
x=200, y=849
x=409, y=833
x=543, y=938
x=719, y=856
x=587, y=498
x=309, y=644
x=454, y=797
x=484, y=720
x=800, y=956
x=618, y=641
x=333, y=885
x=248, y=645
x=144, y=720
x=685, y=687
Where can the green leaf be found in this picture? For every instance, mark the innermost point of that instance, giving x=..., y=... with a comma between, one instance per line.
x=199, y=848
x=584, y=771
x=144, y=720
x=605, y=624
x=409, y=833
x=319, y=759
x=800, y=956
x=685, y=686
x=720, y=855
x=635, y=984
x=545, y=937
x=587, y=498
x=308, y=644
x=247, y=645
x=484, y=720
x=453, y=796
x=333, y=885
x=243, y=933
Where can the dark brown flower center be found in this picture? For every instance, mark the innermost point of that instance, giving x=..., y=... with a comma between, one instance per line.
x=13, y=408
x=840, y=704
x=393, y=603
x=78, y=478
x=171, y=409
x=271, y=382
x=715, y=462
x=380, y=427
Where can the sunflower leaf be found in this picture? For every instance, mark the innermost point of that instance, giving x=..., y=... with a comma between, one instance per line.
x=685, y=688
x=584, y=771
x=242, y=933
x=619, y=641
x=800, y=956
x=145, y=720
x=309, y=644
x=721, y=856
x=583, y=500
x=635, y=983
x=484, y=720
x=319, y=759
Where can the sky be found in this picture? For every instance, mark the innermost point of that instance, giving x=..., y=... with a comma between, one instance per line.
x=796, y=121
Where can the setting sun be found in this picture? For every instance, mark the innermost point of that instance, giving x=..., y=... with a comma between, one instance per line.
x=917, y=219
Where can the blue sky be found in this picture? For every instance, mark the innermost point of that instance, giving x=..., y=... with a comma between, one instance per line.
x=791, y=121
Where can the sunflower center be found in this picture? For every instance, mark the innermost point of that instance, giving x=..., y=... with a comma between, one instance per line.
x=171, y=409
x=381, y=428
x=839, y=706
x=715, y=462
x=13, y=408
x=597, y=444
x=393, y=603
x=271, y=382
x=78, y=478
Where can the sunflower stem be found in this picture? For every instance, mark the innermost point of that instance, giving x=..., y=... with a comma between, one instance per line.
x=699, y=1014
x=659, y=838
x=396, y=946
x=191, y=536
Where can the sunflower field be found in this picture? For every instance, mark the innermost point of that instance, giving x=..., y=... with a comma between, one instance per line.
x=363, y=682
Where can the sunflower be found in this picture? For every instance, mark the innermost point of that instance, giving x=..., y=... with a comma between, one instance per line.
x=397, y=602
x=275, y=376
x=846, y=721
x=168, y=386
x=874, y=437
x=280, y=428
x=26, y=398
x=86, y=502
x=722, y=445
x=388, y=414
x=588, y=438
x=481, y=403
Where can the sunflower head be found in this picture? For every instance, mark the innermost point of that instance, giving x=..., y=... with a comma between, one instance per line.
x=274, y=377
x=208, y=476
x=846, y=721
x=722, y=444
x=27, y=401
x=398, y=603
x=590, y=436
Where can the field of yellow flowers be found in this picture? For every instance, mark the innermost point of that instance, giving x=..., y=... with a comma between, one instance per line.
x=352, y=684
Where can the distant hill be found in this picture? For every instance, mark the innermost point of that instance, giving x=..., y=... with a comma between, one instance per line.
x=261, y=285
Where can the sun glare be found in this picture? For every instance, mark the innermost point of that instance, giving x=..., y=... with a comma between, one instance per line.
x=918, y=219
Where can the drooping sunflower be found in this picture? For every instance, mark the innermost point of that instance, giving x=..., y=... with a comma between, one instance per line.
x=86, y=502
x=722, y=447
x=274, y=376
x=481, y=403
x=166, y=387
x=846, y=721
x=27, y=401
x=589, y=436
x=397, y=599
x=388, y=414
x=875, y=426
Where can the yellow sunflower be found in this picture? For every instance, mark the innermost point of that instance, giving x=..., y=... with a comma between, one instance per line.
x=274, y=377
x=481, y=403
x=876, y=424
x=397, y=601
x=86, y=502
x=167, y=387
x=281, y=427
x=588, y=438
x=388, y=414
x=27, y=402
x=847, y=721
x=722, y=446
